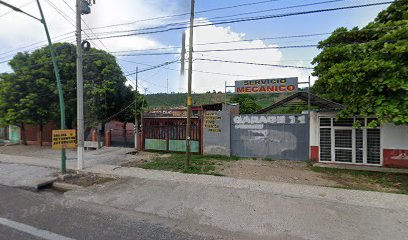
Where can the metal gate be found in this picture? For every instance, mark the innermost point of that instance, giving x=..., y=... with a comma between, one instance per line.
x=122, y=138
x=169, y=134
x=280, y=137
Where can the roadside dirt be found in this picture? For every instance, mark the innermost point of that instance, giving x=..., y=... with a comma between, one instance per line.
x=139, y=158
x=85, y=179
x=279, y=171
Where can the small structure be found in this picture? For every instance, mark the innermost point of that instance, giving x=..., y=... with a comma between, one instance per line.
x=339, y=141
x=9, y=135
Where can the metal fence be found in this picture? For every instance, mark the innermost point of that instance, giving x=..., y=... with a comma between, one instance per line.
x=169, y=134
x=280, y=137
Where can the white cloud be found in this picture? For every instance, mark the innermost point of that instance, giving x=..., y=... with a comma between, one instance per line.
x=17, y=30
x=205, y=82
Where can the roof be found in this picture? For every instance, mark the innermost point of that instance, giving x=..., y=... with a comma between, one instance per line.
x=304, y=96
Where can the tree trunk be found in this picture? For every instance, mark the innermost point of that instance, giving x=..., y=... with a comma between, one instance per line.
x=124, y=133
x=41, y=134
x=23, y=134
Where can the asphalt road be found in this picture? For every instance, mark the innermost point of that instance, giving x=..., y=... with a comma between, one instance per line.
x=29, y=215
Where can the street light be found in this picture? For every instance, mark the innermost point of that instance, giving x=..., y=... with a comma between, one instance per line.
x=56, y=71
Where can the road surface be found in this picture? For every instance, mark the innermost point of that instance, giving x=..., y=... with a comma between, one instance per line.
x=29, y=215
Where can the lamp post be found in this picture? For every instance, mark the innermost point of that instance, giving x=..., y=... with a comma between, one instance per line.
x=56, y=71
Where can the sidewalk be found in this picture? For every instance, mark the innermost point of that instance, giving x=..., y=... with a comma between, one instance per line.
x=271, y=209
x=25, y=176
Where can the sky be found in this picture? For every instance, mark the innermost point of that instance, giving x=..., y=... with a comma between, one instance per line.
x=18, y=32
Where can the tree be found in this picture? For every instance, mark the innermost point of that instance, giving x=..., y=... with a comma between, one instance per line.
x=29, y=94
x=367, y=69
x=247, y=103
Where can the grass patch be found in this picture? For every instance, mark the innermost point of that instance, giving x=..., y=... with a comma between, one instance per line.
x=367, y=180
x=199, y=164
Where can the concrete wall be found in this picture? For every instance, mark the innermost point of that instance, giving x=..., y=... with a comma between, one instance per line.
x=395, y=145
x=217, y=132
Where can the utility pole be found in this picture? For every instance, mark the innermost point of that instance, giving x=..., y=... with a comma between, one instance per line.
x=136, y=119
x=190, y=76
x=80, y=90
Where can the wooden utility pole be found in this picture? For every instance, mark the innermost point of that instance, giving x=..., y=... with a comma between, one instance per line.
x=190, y=76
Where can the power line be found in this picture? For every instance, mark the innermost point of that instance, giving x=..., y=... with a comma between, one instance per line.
x=248, y=19
x=221, y=17
x=218, y=50
x=36, y=43
x=153, y=67
x=277, y=9
x=185, y=14
x=252, y=63
x=66, y=17
x=26, y=4
x=16, y=9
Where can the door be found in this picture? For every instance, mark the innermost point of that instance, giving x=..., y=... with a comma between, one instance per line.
x=343, y=145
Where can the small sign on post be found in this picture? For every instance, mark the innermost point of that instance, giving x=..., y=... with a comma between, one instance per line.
x=64, y=139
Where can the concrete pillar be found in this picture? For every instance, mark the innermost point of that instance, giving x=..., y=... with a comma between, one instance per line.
x=108, y=138
x=94, y=138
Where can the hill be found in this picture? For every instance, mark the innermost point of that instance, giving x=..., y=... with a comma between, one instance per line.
x=164, y=100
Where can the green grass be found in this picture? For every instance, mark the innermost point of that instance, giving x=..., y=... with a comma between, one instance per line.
x=367, y=180
x=199, y=164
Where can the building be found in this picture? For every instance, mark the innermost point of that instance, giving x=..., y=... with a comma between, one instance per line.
x=339, y=141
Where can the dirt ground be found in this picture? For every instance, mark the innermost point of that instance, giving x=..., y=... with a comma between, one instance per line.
x=85, y=179
x=278, y=171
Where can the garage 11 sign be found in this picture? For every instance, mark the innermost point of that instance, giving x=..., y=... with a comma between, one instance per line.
x=274, y=85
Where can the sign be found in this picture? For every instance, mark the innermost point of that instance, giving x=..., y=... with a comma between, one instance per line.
x=258, y=122
x=63, y=139
x=274, y=85
x=212, y=122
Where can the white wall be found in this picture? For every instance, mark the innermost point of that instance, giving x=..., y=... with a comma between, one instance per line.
x=314, y=129
x=394, y=137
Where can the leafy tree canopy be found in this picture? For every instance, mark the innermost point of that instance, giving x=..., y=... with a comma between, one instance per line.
x=29, y=94
x=367, y=69
x=247, y=103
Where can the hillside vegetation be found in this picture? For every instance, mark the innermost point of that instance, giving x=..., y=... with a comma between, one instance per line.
x=164, y=100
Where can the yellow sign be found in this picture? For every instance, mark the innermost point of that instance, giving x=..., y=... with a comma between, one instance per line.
x=63, y=139
x=189, y=101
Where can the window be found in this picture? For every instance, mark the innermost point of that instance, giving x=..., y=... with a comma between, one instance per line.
x=349, y=141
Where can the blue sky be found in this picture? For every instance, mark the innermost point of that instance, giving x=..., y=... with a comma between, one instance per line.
x=16, y=31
